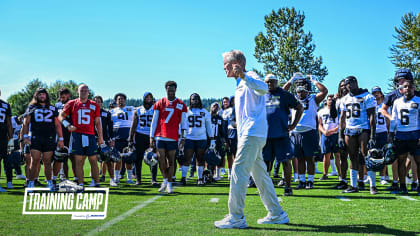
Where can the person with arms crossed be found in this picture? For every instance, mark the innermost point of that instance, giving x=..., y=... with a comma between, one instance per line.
x=85, y=116
x=252, y=129
x=169, y=114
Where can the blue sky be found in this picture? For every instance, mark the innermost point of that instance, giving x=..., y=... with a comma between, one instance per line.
x=136, y=46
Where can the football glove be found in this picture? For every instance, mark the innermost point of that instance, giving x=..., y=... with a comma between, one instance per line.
x=212, y=144
x=341, y=143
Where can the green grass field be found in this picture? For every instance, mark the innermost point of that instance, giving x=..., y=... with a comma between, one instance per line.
x=141, y=210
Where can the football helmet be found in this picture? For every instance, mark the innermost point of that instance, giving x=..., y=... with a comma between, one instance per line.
x=60, y=154
x=207, y=177
x=150, y=157
x=129, y=154
x=375, y=160
x=115, y=155
x=105, y=153
x=389, y=154
x=15, y=158
x=212, y=158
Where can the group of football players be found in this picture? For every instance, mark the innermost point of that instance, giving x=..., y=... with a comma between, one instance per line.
x=303, y=127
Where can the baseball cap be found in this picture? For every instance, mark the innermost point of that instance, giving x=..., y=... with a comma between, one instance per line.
x=403, y=74
x=376, y=89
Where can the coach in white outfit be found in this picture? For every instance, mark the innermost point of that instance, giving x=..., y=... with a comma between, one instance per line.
x=252, y=127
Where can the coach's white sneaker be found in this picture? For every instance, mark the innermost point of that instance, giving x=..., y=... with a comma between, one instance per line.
x=282, y=219
x=162, y=187
x=112, y=183
x=9, y=185
x=230, y=223
x=20, y=177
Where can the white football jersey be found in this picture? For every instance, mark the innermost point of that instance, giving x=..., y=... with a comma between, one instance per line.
x=122, y=117
x=199, y=124
x=356, y=109
x=144, y=120
x=328, y=122
x=405, y=114
x=308, y=120
x=380, y=120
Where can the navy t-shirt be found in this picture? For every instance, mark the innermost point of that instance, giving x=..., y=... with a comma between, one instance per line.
x=278, y=105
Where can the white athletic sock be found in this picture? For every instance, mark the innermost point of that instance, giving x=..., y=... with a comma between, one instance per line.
x=332, y=164
x=353, y=177
x=165, y=181
x=200, y=172
x=184, y=171
x=311, y=178
x=117, y=174
x=372, y=177
x=129, y=174
x=302, y=178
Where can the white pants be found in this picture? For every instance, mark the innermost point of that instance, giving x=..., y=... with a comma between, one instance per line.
x=249, y=161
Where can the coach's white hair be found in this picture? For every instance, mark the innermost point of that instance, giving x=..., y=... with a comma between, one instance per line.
x=270, y=77
x=235, y=55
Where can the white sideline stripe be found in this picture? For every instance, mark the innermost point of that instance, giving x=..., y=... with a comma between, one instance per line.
x=123, y=216
x=279, y=198
x=343, y=199
x=409, y=198
x=215, y=200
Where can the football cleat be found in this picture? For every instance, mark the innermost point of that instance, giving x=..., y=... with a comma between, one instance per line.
x=281, y=219
x=373, y=190
x=301, y=185
x=288, y=191
x=169, y=189
x=350, y=189
x=138, y=182
x=394, y=189
x=162, y=187
x=384, y=182
x=403, y=189
x=9, y=185
x=324, y=177
x=281, y=183
x=50, y=185
x=20, y=177
x=93, y=184
x=414, y=186
x=154, y=183
x=309, y=185
x=2, y=190
x=150, y=157
x=183, y=181
x=102, y=178
x=130, y=181
x=251, y=183
x=361, y=185
x=230, y=223
x=112, y=183
x=200, y=182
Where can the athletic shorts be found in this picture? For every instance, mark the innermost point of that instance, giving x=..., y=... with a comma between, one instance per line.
x=404, y=146
x=3, y=148
x=305, y=143
x=381, y=140
x=279, y=149
x=43, y=144
x=195, y=144
x=233, y=146
x=167, y=145
x=83, y=144
x=120, y=144
x=355, y=131
x=329, y=144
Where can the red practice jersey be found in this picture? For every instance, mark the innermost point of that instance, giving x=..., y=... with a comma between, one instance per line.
x=170, y=116
x=83, y=115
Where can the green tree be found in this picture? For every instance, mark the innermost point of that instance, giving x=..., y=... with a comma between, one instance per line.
x=54, y=87
x=406, y=52
x=19, y=101
x=285, y=48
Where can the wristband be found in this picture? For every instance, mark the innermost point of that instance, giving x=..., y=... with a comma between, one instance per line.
x=60, y=139
x=65, y=123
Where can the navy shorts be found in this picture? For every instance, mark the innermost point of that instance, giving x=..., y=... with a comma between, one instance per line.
x=355, y=131
x=195, y=144
x=329, y=144
x=404, y=146
x=278, y=148
x=381, y=140
x=233, y=146
x=120, y=144
x=43, y=144
x=3, y=147
x=167, y=145
x=76, y=144
x=305, y=143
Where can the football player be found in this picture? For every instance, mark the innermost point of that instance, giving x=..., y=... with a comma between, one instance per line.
x=358, y=131
x=399, y=78
x=232, y=134
x=44, y=127
x=169, y=114
x=328, y=127
x=219, y=136
x=278, y=145
x=306, y=130
x=86, y=117
x=404, y=129
x=223, y=113
x=17, y=123
x=199, y=127
x=140, y=135
x=108, y=135
x=6, y=132
x=63, y=97
x=382, y=126
x=122, y=118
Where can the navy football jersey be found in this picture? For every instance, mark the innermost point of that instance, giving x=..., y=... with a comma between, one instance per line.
x=42, y=120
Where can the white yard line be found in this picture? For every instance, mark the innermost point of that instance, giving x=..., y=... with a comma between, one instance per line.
x=344, y=199
x=215, y=200
x=409, y=198
x=117, y=219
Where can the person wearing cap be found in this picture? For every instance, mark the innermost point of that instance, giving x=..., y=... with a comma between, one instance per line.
x=122, y=118
x=303, y=135
x=140, y=135
x=382, y=126
x=357, y=130
x=278, y=146
x=108, y=134
x=399, y=78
